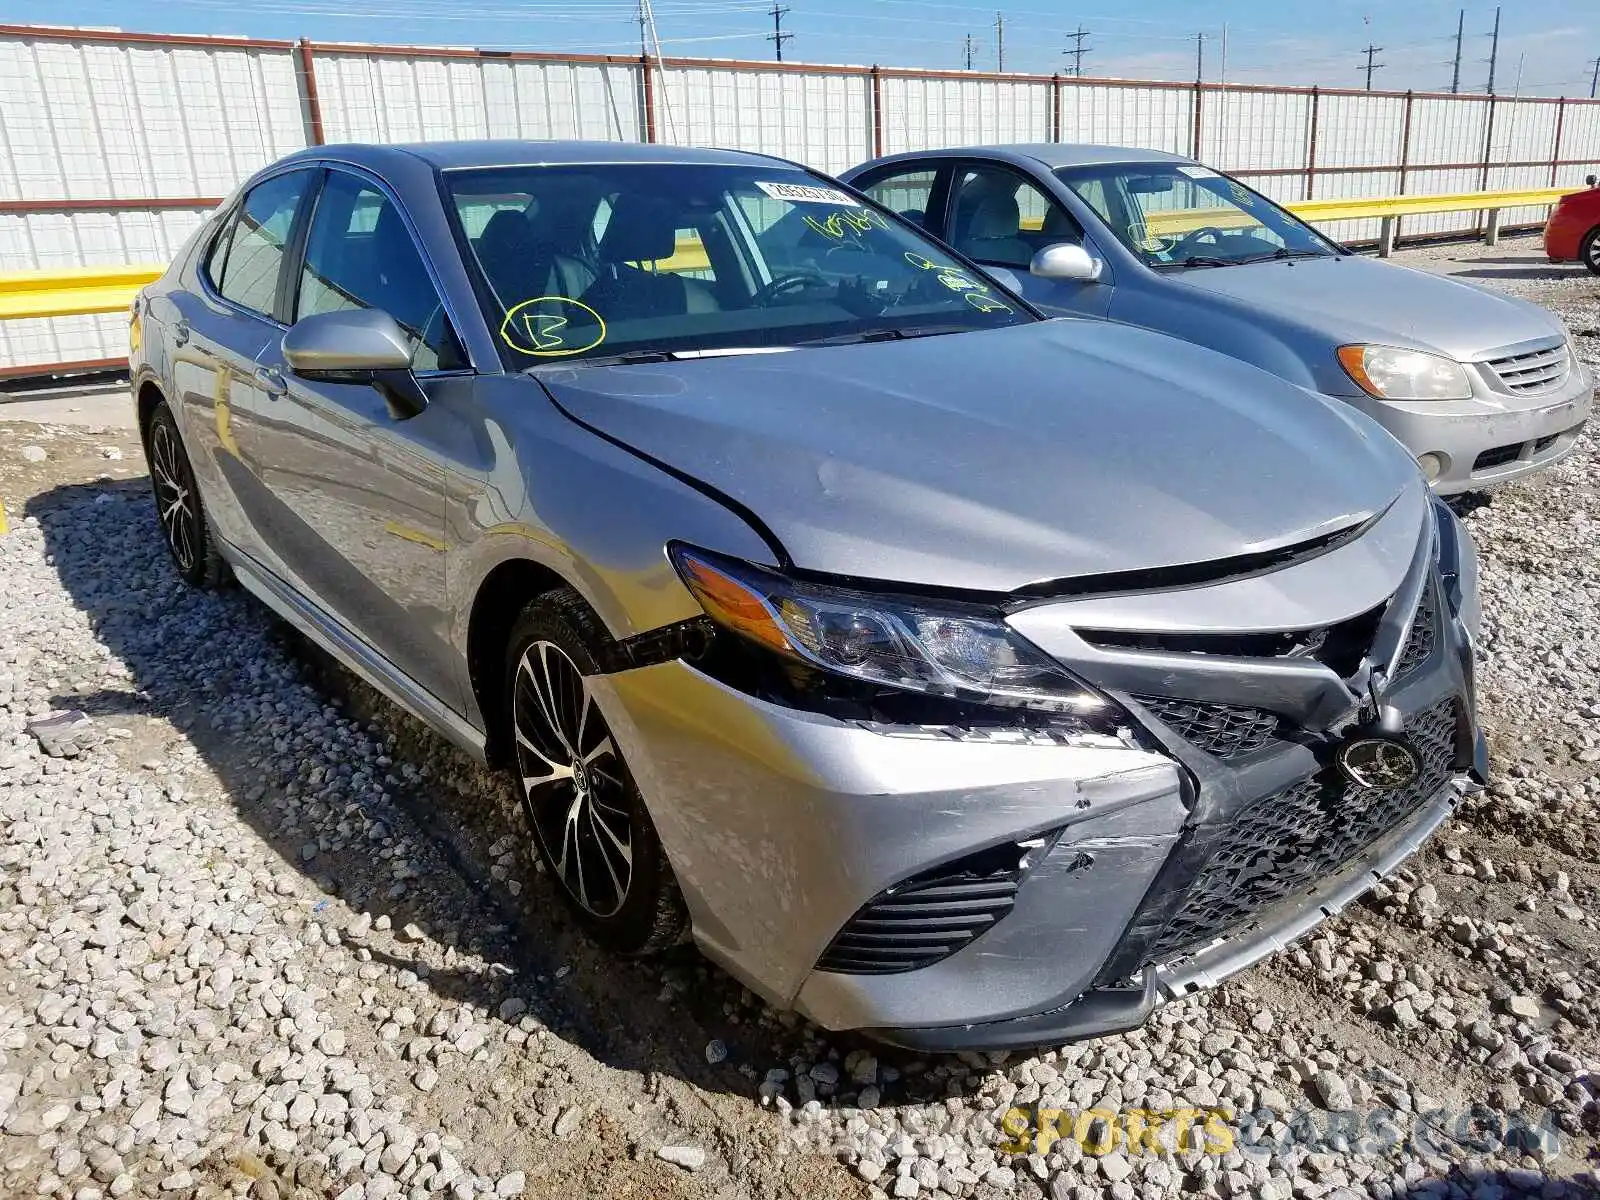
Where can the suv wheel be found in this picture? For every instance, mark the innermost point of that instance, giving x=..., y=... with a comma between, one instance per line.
x=587, y=817
x=179, y=510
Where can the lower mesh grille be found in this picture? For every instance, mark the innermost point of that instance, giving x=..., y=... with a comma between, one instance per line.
x=1423, y=636
x=1224, y=730
x=1282, y=844
x=928, y=917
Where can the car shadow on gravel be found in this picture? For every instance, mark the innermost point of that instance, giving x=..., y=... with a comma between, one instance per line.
x=241, y=688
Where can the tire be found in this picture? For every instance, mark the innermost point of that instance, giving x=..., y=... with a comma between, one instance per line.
x=587, y=819
x=180, y=513
x=1589, y=250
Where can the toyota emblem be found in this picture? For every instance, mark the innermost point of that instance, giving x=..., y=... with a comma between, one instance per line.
x=1379, y=762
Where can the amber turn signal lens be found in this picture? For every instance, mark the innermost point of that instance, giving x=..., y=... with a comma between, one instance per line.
x=730, y=603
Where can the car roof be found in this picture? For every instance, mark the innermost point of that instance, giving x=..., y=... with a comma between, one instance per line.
x=505, y=152
x=1051, y=154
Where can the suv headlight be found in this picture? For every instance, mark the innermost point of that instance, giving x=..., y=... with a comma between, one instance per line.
x=946, y=649
x=1394, y=373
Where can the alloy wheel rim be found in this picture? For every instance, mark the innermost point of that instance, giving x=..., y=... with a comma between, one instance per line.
x=572, y=779
x=174, y=498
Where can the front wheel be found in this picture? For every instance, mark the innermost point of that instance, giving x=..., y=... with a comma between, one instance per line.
x=587, y=818
x=1589, y=250
x=179, y=510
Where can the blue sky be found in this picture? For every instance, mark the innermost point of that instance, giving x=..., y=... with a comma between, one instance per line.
x=1551, y=42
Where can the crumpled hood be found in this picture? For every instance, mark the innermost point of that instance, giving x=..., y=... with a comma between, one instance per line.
x=996, y=459
x=1354, y=299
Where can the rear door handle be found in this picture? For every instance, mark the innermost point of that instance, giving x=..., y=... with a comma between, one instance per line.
x=180, y=333
x=271, y=381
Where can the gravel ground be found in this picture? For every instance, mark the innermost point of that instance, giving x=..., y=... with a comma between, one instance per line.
x=262, y=933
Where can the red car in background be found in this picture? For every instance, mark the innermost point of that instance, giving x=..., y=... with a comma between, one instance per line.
x=1573, y=230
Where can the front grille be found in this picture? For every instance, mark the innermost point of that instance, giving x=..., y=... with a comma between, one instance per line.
x=1423, y=636
x=1279, y=846
x=1539, y=370
x=1223, y=730
x=928, y=917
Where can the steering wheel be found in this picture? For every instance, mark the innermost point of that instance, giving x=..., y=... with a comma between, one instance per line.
x=1191, y=240
x=795, y=281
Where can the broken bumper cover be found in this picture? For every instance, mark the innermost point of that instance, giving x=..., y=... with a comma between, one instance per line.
x=1115, y=1009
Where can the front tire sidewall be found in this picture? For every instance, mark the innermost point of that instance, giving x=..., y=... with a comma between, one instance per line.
x=1589, y=250
x=650, y=916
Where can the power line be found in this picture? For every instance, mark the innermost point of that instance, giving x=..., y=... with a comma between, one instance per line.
x=778, y=37
x=1494, y=48
x=1371, y=66
x=1077, y=50
x=1455, y=72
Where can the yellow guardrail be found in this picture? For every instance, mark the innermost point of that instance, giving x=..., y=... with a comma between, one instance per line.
x=73, y=291
x=82, y=290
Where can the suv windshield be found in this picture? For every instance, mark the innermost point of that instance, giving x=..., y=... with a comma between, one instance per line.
x=1176, y=215
x=636, y=260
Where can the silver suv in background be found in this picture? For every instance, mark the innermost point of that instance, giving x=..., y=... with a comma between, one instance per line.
x=1481, y=387
x=944, y=672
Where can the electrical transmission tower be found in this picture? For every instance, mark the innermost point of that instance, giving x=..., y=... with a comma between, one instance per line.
x=1371, y=66
x=1077, y=50
x=968, y=44
x=778, y=37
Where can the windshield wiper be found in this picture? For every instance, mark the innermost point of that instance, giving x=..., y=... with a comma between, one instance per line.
x=892, y=334
x=1283, y=252
x=1201, y=260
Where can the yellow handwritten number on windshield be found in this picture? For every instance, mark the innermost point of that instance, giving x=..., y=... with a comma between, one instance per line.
x=543, y=327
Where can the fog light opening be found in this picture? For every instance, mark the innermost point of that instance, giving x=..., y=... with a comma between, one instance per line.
x=1432, y=464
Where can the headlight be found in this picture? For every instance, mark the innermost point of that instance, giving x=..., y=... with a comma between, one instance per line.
x=956, y=651
x=1392, y=373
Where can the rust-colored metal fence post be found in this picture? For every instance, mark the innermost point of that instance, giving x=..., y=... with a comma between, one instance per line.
x=647, y=90
x=1405, y=154
x=1555, y=150
x=877, y=111
x=1311, y=144
x=1194, y=138
x=309, y=100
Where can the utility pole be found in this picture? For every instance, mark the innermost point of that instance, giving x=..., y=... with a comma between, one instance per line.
x=1594, y=80
x=969, y=52
x=778, y=37
x=1371, y=66
x=1077, y=50
x=644, y=31
x=1494, y=48
x=1199, y=56
x=1455, y=73
x=999, y=42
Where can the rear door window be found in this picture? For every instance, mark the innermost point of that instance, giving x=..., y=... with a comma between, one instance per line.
x=256, y=242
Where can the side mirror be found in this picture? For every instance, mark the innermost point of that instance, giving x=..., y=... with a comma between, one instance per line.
x=1590, y=180
x=357, y=345
x=1067, y=262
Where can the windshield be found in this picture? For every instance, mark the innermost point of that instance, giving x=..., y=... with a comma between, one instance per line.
x=651, y=259
x=1177, y=215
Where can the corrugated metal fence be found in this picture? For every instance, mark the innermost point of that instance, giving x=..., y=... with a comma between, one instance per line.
x=114, y=145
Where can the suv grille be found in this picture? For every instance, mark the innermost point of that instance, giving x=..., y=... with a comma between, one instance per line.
x=1424, y=633
x=1282, y=844
x=1536, y=371
x=1223, y=730
x=928, y=917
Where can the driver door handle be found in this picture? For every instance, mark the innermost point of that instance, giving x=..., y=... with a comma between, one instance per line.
x=271, y=381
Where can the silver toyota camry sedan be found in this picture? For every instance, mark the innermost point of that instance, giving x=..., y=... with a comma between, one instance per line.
x=944, y=672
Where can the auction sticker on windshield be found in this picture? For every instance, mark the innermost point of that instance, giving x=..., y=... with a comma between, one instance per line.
x=805, y=193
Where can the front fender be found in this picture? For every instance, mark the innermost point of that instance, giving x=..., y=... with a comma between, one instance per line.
x=598, y=516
